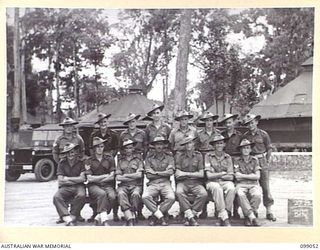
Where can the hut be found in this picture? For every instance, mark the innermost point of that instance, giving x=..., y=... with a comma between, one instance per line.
x=287, y=114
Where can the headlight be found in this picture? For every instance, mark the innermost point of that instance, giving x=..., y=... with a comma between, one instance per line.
x=12, y=152
x=33, y=153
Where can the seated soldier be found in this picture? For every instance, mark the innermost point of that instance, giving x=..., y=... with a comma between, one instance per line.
x=159, y=167
x=71, y=178
x=247, y=174
x=189, y=177
x=129, y=173
x=100, y=176
x=219, y=172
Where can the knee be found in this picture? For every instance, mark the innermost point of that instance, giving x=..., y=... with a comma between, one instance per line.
x=203, y=194
x=171, y=197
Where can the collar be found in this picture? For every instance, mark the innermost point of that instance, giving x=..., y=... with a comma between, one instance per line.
x=188, y=129
x=224, y=155
x=159, y=157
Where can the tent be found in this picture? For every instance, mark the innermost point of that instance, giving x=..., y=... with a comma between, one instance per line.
x=132, y=103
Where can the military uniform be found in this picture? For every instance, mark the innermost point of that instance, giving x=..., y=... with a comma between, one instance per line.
x=222, y=191
x=262, y=144
x=139, y=137
x=62, y=140
x=74, y=193
x=188, y=185
x=103, y=192
x=177, y=135
x=129, y=192
x=159, y=185
x=111, y=144
x=152, y=131
x=232, y=142
x=248, y=188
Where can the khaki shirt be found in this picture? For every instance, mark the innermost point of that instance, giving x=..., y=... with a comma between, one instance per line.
x=65, y=169
x=204, y=138
x=216, y=164
x=139, y=137
x=250, y=167
x=261, y=139
x=112, y=143
x=159, y=163
x=186, y=163
x=177, y=135
x=232, y=142
x=62, y=140
x=152, y=131
x=130, y=166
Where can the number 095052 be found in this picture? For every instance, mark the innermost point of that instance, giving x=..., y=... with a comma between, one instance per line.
x=309, y=246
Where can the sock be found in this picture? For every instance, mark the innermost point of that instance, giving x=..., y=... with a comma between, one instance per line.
x=223, y=214
x=188, y=213
x=269, y=210
x=67, y=218
x=128, y=214
x=251, y=216
x=103, y=216
x=158, y=214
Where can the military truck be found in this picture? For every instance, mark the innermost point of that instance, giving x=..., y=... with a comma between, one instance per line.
x=33, y=153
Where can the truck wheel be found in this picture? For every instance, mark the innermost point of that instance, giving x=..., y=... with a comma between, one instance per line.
x=44, y=170
x=12, y=175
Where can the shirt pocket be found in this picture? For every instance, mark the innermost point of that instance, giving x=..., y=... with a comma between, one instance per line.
x=259, y=140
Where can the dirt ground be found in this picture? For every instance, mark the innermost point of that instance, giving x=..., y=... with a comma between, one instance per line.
x=29, y=203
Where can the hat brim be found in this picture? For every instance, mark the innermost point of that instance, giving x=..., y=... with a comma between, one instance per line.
x=251, y=144
x=162, y=141
x=186, y=142
x=75, y=147
x=215, y=117
x=179, y=117
x=103, y=141
x=161, y=107
x=235, y=116
x=213, y=142
x=107, y=116
x=258, y=117
x=127, y=121
x=71, y=123
x=133, y=143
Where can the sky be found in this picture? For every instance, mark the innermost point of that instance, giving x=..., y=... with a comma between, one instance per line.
x=247, y=45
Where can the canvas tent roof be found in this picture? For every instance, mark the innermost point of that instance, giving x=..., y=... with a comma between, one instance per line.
x=132, y=103
x=292, y=100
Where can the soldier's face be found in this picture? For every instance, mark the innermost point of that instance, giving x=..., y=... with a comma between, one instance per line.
x=156, y=114
x=209, y=123
x=246, y=150
x=129, y=149
x=184, y=121
x=99, y=149
x=159, y=147
x=132, y=124
x=71, y=154
x=68, y=129
x=229, y=123
x=219, y=146
x=252, y=126
x=104, y=123
x=190, y=145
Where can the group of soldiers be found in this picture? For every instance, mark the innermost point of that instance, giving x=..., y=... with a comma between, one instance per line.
x=180, y=164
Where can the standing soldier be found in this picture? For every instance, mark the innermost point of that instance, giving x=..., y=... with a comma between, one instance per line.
x=262, y=150
x=157, y=127
x=71, y=178
x=233, y=138
x=159, y=167
x=134, y=134
x=247, y=174
x=100, y=176
x=184, y=130
x=69, y=136
x=129, y=173
x=207, y=134
x=189, y=177
x=219, y=172
x=111, y=145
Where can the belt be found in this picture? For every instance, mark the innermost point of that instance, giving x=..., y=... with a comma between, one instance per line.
x=261, y=155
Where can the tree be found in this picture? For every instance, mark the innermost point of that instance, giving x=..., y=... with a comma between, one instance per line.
x=146, y=44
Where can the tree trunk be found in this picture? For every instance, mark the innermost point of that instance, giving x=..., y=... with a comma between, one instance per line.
x=182, y=60
x=76, y=86
x=50, y=97
x=15, y=119
x=57, y=70
x=23, y=83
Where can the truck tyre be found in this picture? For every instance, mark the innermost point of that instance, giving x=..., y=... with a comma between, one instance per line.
x=12, y=175
x=44, y=169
